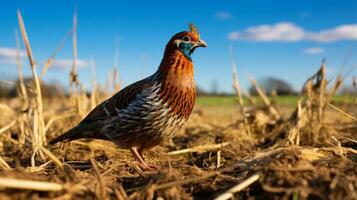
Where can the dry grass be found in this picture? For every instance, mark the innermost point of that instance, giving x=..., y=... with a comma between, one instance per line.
x=35, y=115
x=211, y=158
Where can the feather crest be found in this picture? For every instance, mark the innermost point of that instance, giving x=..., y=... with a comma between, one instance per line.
x=194, y=30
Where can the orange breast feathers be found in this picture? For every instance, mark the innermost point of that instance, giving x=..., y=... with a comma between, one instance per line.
x=178, y=70
x=178, y=84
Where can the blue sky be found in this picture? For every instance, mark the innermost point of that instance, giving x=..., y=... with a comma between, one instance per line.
x=280, y=38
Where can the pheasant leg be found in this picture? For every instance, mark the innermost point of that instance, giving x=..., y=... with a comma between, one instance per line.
x=142, y=164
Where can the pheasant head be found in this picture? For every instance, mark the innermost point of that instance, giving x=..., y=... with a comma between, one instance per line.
x=179, y=49
x=186, y=42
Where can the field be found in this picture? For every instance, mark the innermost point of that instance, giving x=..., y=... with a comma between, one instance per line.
x=289, y=101
x=218, y=154
x=241, y=147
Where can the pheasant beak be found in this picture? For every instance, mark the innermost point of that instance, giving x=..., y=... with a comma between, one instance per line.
x=201, y=43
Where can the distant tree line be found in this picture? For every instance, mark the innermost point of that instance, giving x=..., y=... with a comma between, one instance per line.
x=269, y=84
x=276, y=85
x=47, y=89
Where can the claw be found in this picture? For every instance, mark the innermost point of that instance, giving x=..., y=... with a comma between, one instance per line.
x=147, y=167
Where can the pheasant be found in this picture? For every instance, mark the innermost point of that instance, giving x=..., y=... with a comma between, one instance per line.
x=150, y=111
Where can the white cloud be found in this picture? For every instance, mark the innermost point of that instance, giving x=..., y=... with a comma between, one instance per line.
x=314, y=50
x=289, y=32
x=283, y=31
x=223, y=15
x=343, y=32
x=67, y=63
x=8, y=55
x=6, y=52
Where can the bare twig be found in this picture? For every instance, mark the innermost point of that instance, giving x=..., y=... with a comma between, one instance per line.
x=52, y=157
x=120, y=192
x=340, y=78
x=346, y=138
x=4, y=165
x=294, y=132
x=343, y=112
x=264, y=97
x=229, y=193
x=25, y=38
x=200, y=148
x=73, y=74
x=116, y=85
x=29, y=185
x=103, y=194
x=94, y=85
x=38, y=168
x=219, y=159
x=323, y=84
x=38, y=134
x=76, y=90
x=5, y=128
x=354, y=84
x=236, y=84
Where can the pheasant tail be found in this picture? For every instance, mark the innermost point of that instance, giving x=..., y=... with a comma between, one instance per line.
x=83, y=130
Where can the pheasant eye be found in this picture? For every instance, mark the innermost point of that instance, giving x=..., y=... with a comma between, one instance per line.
x=186, y=39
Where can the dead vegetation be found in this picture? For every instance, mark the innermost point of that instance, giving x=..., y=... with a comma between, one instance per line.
x=259, y=154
